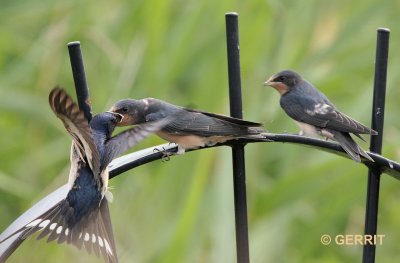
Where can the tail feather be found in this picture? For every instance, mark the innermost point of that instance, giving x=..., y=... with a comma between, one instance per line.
x=253, y=133
x=94, y=231
x=106, y=228
x=51, y=215
x=86, y=236
x=77, y=238
x=349, y=145
x=96, y=249
x=256, y=130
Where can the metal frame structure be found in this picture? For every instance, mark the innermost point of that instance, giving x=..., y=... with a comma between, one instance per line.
x=130, y=161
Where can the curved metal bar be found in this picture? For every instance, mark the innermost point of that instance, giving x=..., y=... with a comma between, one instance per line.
x=386, y=165
x=135, y=159
x=129, y=161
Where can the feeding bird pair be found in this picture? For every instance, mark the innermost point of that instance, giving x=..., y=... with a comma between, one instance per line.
x=82, y=217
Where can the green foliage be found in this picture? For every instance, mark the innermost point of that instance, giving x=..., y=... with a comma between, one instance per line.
x=182, y=210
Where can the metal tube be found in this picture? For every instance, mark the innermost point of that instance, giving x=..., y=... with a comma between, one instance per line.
x=239, y=174
x=78, y=71
x=378, y=112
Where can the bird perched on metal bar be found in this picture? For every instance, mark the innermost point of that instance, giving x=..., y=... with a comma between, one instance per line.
x=191, y=128
x=82, y=218
x=316, y=115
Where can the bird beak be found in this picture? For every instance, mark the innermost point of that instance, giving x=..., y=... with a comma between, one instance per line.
x=269, y=81
x=120, y=117
x=279, y=86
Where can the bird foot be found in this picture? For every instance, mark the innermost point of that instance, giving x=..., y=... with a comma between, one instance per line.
x=166, y=155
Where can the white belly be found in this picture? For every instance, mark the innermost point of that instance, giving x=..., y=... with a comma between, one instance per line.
x=310, y=130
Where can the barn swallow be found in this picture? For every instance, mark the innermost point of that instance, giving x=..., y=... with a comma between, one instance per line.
x=82, y=218
x=191, y=129
x=316, y=115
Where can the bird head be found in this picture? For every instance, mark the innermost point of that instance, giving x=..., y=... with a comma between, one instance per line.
x=133, y=111
x=105, y=122
x=283, y=81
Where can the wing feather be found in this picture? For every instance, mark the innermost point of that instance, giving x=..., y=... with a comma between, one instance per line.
x=77, y=126
x=323, y=115
x=226, y=118
x=129, y=138
x=198, y=123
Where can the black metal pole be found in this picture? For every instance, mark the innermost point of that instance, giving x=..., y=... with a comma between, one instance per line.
x=239, y=174
x=378, y=112
x=78, y=71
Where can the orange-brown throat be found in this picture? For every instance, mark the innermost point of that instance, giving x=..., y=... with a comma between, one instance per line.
x=280, y=87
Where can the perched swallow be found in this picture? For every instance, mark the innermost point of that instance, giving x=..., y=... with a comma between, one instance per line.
x=191, y=129
x=83, y=218
x=316, y=115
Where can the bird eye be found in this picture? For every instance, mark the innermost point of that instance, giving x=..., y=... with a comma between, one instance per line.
x=282, y=78
x=124, y=109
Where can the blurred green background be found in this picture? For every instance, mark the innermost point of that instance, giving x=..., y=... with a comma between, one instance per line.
x=182, y=210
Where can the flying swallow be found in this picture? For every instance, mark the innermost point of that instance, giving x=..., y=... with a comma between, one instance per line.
x=316, y=115
x=82, y=218
x=191, y=128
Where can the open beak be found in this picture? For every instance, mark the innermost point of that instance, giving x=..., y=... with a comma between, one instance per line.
x=119, y=117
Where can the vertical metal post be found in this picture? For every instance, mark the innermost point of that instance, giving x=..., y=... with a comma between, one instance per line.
x=239, y=174
x=78, y=71
x=378, y=110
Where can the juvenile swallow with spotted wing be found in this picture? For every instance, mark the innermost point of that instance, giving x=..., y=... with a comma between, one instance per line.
x=82, y=218
x=191, y=128
x=316, y=115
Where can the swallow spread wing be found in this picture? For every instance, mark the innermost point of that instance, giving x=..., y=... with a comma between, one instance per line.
x=77, y=125
x=129, y=138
